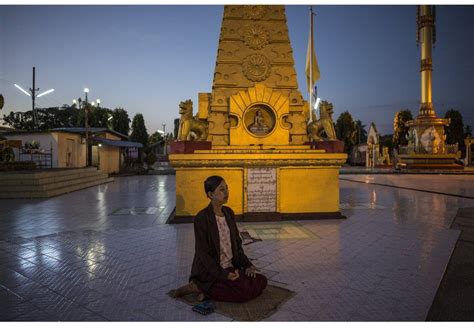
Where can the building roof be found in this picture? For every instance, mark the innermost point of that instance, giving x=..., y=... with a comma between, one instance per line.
x=74, y=130
x=118, y=143
x=373, y=133
x=159, y=143
x=91, y=130
x=6, y=129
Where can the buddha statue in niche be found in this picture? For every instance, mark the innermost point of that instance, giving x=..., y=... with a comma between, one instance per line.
x=258, y=126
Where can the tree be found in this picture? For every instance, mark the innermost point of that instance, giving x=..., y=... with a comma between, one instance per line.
x=468, y=131
x=361, y=134
x=139, y=133
x=47, y=118
x=66, y=116
x=387, y=141
x=19, y=120
x=58, y=117
x=399, y=129
x=346, y=130
x=455, y=130
x=99, y=117
x=120, y=121
x=150, y=159
x=155, y=137
x=81, y=117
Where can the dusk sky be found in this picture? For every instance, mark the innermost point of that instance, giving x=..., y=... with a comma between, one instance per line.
x=147, y=59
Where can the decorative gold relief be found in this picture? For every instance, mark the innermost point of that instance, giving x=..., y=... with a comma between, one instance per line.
x=426, y=64
x=285, y=122
x=256, y=67
x=262, y=95
x=426, y=110
x=256, y=37
x=233, y=121
x=255, y=11
x=425, y=21
x=201, y=163
x=226, y=74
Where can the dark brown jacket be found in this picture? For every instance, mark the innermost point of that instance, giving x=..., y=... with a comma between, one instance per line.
x=206, y=264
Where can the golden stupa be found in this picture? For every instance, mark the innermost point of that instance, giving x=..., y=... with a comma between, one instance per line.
x=427, y=147
x=252, y=129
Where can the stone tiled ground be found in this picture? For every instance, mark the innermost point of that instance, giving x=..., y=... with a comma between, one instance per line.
x=75, y=257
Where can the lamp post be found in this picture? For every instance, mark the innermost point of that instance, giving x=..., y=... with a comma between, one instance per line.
x=33, y=96
x=86, y=105
x=86, y=119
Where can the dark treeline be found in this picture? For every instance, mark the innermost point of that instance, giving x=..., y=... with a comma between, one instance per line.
x=70, y=116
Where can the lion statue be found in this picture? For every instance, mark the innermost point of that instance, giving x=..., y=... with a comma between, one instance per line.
x=190, y=128
x=323, y=124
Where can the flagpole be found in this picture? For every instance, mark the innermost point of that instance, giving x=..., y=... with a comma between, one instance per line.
x=311, y=63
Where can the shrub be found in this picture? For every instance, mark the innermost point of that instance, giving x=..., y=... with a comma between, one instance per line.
x=150, y=159
x=7, y=155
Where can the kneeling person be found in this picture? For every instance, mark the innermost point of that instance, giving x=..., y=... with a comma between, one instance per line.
x=221, y=270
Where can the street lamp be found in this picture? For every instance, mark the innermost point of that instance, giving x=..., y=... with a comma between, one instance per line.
x=86, y=90
x=47, y=92
x=33, y=96
x=86, y=118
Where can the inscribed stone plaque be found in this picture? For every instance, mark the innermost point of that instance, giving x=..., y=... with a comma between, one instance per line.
x=261, y=190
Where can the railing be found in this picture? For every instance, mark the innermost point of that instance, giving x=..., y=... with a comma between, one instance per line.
x=42, y=158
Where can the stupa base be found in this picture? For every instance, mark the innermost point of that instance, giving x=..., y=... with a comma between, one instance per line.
x=265, y=183
x=429, y=161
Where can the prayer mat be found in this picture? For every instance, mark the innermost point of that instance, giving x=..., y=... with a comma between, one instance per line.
x=255, y=310
x=277, y=231
x=247, y=239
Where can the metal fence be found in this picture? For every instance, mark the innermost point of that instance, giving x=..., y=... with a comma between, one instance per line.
x=42, y=158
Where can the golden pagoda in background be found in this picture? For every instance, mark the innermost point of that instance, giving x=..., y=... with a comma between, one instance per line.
x=427, y=147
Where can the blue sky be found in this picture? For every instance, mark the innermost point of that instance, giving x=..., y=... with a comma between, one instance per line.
x=147, y=59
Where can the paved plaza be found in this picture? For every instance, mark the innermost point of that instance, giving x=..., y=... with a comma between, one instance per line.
x=106, y=253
